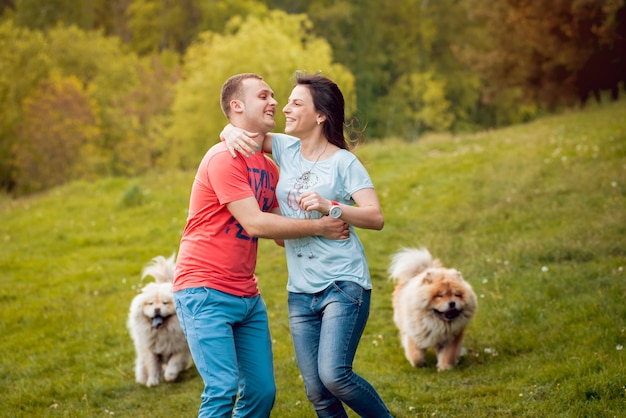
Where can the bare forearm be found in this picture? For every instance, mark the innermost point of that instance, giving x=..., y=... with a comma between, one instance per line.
x=363, y=217
x=267, y=225
x=365, y=214
x=270, y=225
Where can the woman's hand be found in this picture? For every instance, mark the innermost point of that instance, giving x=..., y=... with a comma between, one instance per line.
x=366, y=214
x=239, y=140
x=313, y=201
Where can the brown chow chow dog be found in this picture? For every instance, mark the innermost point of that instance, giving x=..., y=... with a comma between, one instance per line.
x=432, y=307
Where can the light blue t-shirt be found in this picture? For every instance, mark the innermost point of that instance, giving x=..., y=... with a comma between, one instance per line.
x=315, y=262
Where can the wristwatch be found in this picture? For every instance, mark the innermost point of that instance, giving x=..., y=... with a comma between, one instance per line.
x=335, y=210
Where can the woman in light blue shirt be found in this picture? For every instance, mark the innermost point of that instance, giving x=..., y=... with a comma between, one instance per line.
x=329, y=283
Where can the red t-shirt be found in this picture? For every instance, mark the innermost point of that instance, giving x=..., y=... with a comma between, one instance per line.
x=215, y=251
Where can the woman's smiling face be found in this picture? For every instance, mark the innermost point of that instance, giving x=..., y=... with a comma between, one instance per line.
x=301, y=116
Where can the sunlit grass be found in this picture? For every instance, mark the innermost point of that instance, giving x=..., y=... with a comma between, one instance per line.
x=533, y=215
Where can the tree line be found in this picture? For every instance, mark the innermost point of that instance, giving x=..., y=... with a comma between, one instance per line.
x=117, y=87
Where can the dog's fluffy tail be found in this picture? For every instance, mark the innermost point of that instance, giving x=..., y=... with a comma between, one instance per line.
x=409, y=262
x=161, y=268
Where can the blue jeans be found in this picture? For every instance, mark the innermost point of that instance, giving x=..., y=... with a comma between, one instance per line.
x=230, y=342
x=326, y=328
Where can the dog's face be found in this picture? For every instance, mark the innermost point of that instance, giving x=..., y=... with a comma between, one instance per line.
x=157, y=302
x=449, y=296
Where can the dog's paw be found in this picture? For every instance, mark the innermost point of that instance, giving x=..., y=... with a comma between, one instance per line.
x=417, y=363
x=152, y=381
x=446, y=364
x=444, y=367
x=170, y=375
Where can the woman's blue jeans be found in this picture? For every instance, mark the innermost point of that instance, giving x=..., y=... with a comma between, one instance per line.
x=230, y=342
x=326, y=328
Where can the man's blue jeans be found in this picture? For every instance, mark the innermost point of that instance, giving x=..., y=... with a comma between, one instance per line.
x=326, y=328
x=230, y=342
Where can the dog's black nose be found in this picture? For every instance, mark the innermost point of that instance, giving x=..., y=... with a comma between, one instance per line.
x=452, y=305
x=157, y=311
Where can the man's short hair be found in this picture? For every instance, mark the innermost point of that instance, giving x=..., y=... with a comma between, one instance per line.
x=233, y=89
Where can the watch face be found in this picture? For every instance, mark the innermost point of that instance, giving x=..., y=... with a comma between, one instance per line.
x=335, y=212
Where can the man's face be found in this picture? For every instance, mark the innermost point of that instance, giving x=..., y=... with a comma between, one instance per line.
x=258, y=105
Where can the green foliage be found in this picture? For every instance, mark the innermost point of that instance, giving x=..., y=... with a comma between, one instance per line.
x=274, y=46
x=43, y=14
x=217, y=13
x=129, y=100
x=543, y=48
x=416, y=103
x=134, y=195
x=23, y=64
x=110, y=74
x=157, y=25
x=58, y=138
x=407, y=67
x=385, y=46
x=146, y=112
x=533, y=215
x=110, y=16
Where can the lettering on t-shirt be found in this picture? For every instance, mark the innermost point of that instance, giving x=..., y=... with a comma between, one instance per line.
x=240, y=233
x=264, y=192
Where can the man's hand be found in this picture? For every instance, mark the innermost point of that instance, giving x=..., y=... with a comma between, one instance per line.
x=334, y=228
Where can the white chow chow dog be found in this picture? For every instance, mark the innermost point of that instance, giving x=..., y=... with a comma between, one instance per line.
x=160, y=344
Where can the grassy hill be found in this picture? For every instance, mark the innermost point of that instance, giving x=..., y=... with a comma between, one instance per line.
x=533, y=215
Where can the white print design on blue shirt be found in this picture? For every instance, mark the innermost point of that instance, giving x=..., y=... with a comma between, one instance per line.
x=315, y=262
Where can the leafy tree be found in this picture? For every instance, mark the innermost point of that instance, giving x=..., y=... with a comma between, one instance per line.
x=540, y=48
x=417, y=102
x=381, y=45
x=110, y=16
x=24, y=62
x=43, y=14
x=109, y=73
x=356, y=31
x=131, y=100
x=157, y=25
x=146, y=110
x=274, y=46
x=58, y=136
x=162, y=24
x=7, y=6
x=215, y=14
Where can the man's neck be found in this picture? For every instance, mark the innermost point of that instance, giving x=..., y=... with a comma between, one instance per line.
x=247, y=127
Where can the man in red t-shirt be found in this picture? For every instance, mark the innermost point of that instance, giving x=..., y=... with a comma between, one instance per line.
x=217, y=300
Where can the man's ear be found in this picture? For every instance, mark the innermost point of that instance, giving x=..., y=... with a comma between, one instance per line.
x=237, y=106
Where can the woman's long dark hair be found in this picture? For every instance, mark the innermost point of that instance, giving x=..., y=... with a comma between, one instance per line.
x=328, y=99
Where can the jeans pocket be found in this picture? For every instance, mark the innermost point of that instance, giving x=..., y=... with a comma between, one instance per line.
x=191, y=301
x=350, y=290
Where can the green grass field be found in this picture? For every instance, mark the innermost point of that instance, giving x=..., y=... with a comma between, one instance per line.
x=533, y=215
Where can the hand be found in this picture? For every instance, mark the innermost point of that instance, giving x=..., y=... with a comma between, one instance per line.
x=313, y=201
x=335, y=229
x=239, y=140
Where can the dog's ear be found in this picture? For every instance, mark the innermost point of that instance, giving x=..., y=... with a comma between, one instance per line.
x=428, y=278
